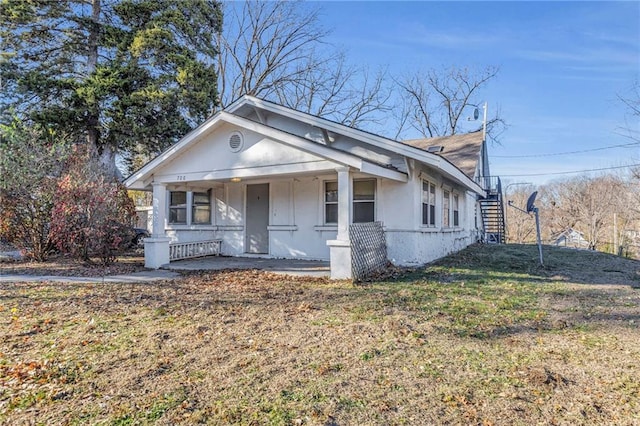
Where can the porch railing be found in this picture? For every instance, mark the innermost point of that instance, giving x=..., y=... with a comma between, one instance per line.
x=179, y=251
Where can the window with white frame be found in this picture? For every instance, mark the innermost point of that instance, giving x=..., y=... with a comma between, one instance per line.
x=364, y=200
x=178, y=207
x=446, y=209
x=428, y=203
x=456, y=210
x=331, y=202
x=201, y=208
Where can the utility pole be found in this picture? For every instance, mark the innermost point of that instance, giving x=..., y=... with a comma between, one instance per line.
x=484, y=122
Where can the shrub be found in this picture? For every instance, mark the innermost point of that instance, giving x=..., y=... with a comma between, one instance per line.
x=31, y=160
x=93, y=214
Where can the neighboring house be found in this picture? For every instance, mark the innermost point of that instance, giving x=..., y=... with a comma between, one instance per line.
x=630, y=243
x=571, y=238
x=266, y=180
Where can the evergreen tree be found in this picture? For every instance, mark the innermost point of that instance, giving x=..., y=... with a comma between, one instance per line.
x=129, y=76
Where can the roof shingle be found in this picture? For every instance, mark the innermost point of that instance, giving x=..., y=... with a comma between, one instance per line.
x=462, y=150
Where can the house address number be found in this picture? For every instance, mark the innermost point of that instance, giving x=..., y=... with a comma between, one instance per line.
x=182, y=177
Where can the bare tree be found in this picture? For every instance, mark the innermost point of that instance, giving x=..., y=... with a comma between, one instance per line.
x=632, y=102
x=586, y=204
x=262, y=45
x=521, y=228
x=331, y=88
x=433, y=102
x=277, y=51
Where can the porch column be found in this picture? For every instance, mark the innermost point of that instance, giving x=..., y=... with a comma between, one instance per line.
x=340, y=248
x=156, y=248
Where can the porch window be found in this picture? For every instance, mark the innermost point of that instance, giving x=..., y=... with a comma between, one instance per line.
x=178, y=207
x=446, y=209
x=364, y=200
x=330, y=202
x=428, y=203
x=456, y=210
x=201, y=213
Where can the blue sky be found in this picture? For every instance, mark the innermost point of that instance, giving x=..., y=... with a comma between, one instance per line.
x=562, y=67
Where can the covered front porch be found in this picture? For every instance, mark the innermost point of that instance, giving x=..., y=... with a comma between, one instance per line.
x=303, y=216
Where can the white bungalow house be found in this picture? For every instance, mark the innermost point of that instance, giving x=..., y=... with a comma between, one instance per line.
x=265, y=180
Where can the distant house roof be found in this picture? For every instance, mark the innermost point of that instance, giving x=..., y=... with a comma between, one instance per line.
x=570, y=237
x=463, y=150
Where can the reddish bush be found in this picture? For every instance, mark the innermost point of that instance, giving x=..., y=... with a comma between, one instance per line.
x=93, y=214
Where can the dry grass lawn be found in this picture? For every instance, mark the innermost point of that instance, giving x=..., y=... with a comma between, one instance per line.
x=482, y=337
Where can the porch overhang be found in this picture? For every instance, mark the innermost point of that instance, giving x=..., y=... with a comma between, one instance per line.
x=329, y=159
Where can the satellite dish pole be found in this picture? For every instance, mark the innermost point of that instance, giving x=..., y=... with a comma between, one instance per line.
x=531, y=208
x=535, y=211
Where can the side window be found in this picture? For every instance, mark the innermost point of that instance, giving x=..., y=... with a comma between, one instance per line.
x=428, y=203
x=456, y=210
x=201, y=213
x=178, y=207
x=331, y=202
x=446, y=209
x=364, y=200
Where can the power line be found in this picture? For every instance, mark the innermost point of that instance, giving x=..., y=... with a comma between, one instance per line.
x=574, y=171
x=568, y=152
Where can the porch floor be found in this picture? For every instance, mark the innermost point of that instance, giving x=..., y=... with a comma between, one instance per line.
x=310, y=268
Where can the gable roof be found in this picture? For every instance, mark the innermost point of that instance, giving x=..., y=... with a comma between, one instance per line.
x=462, y=150
x=408, y=150
x=234, y=115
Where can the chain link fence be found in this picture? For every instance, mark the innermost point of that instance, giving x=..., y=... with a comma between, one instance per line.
x=368, y=249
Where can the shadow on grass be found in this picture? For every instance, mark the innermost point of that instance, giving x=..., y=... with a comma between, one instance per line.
x=520, y=263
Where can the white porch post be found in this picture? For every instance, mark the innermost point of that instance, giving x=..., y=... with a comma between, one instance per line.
x=156, y=248
x=340, y=248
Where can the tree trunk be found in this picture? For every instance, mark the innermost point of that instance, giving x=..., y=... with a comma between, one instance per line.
x=107, y=158
x=106, y=154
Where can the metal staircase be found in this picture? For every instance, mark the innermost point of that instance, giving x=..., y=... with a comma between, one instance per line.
x=492, y=211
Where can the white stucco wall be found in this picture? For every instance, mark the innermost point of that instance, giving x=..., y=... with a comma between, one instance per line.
x=212, y=160
x=408, y=241
x=296, y=207
x=296, y=214
x=418, y=248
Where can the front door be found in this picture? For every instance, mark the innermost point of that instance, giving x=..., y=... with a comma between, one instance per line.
x=257, y=235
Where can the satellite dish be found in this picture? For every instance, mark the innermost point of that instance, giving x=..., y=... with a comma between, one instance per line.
x=530, y=201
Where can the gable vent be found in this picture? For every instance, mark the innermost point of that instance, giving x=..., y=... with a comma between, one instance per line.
x=235, y=141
